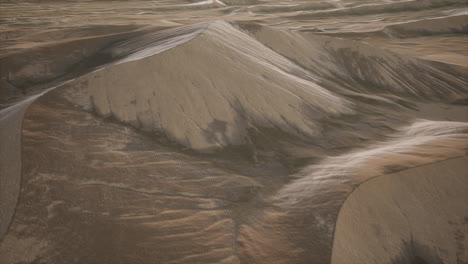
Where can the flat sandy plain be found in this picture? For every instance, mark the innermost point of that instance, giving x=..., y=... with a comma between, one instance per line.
x=234, y=131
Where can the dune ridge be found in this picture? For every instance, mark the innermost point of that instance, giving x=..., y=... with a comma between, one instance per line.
x=223, y=106
x=300, y=78
x=456, y=24
x=363, y=67
x=429, y=27
x=366, y=9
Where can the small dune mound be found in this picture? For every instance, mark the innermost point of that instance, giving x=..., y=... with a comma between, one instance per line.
x=421, y=212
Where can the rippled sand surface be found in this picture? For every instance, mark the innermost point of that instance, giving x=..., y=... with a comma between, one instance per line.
x=26, y=24
x=234, y=131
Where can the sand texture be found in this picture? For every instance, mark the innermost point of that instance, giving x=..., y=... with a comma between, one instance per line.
x=234, y=131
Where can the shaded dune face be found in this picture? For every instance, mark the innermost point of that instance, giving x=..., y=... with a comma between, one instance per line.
x=234, y=143
x=363, y=67
x=43, y=66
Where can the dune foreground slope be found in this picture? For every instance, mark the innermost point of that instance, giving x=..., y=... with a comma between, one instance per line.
x=230, y=131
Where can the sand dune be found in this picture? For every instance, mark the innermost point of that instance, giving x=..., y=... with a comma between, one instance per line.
x=255, y=138
x=369, y=68
x=397, y=212
x=206, y=111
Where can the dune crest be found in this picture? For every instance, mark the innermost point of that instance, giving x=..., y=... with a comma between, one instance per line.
x=214, y=103
x=211, y=103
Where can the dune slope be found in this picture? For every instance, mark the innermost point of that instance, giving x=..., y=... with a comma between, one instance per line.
x=420, y=212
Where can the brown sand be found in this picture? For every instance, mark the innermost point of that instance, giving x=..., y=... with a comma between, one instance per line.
x=233, y=132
